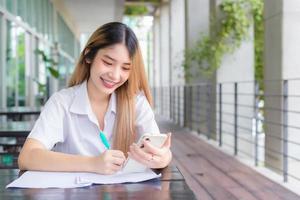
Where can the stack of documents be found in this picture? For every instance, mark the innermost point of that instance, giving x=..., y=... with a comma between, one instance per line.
x=32, y=179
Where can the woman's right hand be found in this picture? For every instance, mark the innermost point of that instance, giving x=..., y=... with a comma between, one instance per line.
x=109, y=162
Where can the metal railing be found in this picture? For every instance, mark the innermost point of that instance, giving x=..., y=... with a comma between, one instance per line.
x=263, y=126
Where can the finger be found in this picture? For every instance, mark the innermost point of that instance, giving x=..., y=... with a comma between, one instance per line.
x=115, y=168
x=138, y=158
x=155, y=162
x=158, y=151
x=142, y=153
x=135, y=157
x=149, y=148
x=118, y=161
x=139, y=155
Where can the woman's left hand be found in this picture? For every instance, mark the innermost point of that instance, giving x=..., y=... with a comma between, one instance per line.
x=152, y=156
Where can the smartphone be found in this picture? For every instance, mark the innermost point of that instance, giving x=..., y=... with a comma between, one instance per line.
x=156, y=140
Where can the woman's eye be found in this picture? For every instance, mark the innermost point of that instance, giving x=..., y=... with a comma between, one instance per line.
x=126, y=68
x=107, y=63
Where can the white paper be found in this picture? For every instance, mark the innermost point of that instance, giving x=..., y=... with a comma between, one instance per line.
x=37, y=179
x=133, y=166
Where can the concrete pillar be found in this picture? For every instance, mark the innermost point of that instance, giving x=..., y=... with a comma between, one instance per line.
x=197, y=20
x=291, y=70
x=156, y=60
x=273, y=66
x=282, y=61
x=177, y=48
x=197, y=14
x=164, y=44
x=156, y=50
x=177, y=40
x=29, y=70
x=162, y=67
x=238, y=67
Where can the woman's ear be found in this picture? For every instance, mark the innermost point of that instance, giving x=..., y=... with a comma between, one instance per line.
x=86, y=58
x=86, y=51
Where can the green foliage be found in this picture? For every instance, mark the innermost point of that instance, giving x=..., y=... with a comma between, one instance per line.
x=41, y=87
x=133, y=10
x=259, y=42
x=226, y=37
x=15, y=70
x=49, y=63
x=53, y=72
x=21, y=69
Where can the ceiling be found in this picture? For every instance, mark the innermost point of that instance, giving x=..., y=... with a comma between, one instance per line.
x=88, y=15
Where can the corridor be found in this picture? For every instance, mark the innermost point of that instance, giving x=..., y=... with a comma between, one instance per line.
x=212, y=174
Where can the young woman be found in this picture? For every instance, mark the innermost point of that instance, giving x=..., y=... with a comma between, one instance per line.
x=108, y=92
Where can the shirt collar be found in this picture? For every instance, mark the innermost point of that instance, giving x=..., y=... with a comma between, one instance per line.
x=81, y=102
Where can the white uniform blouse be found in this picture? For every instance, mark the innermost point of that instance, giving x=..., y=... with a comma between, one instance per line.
x=67, y=123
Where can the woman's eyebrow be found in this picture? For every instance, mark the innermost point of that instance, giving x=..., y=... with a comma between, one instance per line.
x=107, y=56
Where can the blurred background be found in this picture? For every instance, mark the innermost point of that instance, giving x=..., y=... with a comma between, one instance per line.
x=228, y=70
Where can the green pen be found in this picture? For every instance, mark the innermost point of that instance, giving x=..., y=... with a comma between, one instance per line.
x=104, y=140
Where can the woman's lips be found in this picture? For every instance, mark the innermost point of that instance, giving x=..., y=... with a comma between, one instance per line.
x=108, y=84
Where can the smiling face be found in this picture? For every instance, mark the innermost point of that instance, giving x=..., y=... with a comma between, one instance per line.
x=110, y=69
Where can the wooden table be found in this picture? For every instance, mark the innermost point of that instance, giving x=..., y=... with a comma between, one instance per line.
x=171, y=185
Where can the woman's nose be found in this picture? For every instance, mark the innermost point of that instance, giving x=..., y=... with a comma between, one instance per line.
x=115, y=73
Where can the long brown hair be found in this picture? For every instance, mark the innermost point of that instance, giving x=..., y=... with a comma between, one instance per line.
x=105, y=36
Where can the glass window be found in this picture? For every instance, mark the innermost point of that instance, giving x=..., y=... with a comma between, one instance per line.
x=62, y=72
x=2, y=72
x=41, y=75
x=21, y=9
x=70, y=68
x=10, y=6
x=43, y=17
x=15, y=65
x=38, y=85
x=29, y=69
x=36, y=15
x=2, y=3
x=51, y=24
x=28, y=12
x=24, y=67
x=66, y=68
x=11, y=70
x=31, y=14
x=77, y=49
x=21, y=66
x=65, y=36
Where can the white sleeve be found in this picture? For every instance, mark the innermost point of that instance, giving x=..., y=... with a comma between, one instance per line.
x=145, y=119
x=48, y=128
